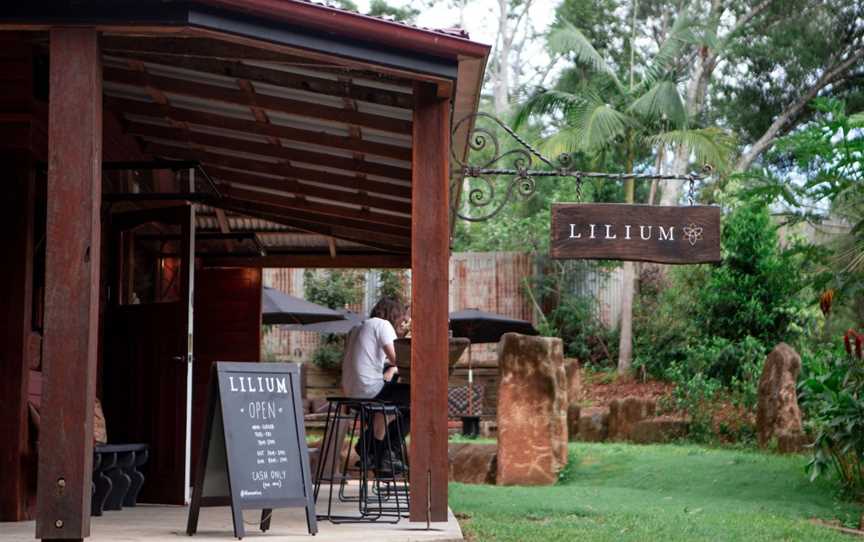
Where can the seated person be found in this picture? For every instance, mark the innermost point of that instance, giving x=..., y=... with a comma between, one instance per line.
x=369, y=371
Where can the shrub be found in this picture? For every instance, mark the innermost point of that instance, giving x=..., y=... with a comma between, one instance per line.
x=329, y=354
x=334, y=288
x=391, y=284
x=754, y=291
x=834, y=399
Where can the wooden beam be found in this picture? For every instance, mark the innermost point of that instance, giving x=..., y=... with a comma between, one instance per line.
x=251, y=165
x=339, y=228
x=331, y=244
x=345, y=260
x=72, y=285
x=213, y=120
x=396, y=224
x=274, y=103
x=269, y=150
x=305, y=189
x=429, y=274
x=224, y=227
x=271, y=76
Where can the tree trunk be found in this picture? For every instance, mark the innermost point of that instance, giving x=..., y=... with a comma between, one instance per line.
x=625, y=341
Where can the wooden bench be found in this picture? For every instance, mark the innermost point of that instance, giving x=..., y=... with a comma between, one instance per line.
x=116, y=478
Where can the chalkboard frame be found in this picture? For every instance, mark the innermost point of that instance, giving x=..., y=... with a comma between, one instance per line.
x=216, y=416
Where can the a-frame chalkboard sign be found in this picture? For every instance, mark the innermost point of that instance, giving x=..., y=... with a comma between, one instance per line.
x=254, y=453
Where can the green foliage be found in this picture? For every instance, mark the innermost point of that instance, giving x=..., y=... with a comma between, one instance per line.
x=754, y=291
x=390, y=284
x=571, y=316
x=329, y=354
x=334, y=288
x=629, y=493
x=789, y=48
x=833, y=396
x=405, y=14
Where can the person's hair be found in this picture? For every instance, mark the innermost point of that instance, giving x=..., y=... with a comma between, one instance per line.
x=389, y=309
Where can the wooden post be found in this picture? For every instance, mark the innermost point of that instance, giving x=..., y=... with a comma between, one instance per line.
x=430, y=252
x=72, y=284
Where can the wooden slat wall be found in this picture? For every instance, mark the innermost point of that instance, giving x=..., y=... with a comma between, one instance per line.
x=227, y=328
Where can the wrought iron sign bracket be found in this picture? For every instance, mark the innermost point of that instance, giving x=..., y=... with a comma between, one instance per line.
x=500, y=186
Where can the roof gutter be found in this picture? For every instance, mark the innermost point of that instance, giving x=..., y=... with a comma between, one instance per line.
x=356, y=25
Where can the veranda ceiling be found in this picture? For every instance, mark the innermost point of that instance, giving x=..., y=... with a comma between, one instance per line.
x=316, y=147
x=301, y=113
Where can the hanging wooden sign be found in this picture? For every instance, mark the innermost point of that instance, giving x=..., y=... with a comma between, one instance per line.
x=254, y=449
x=647, y=233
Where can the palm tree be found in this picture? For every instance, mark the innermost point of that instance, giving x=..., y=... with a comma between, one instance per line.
x=598, y=114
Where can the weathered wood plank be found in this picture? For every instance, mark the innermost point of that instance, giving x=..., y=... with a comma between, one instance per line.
x=72, y=284
x=648, y=233
x=429, y=273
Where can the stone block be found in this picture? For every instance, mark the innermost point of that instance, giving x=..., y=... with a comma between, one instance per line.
x=532, y=410
x=623, y=413
x=473, y=463
x=573, y=413
x=658, y=430
x=593, y=424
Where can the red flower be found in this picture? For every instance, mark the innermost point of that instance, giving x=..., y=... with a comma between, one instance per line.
x=859, y=339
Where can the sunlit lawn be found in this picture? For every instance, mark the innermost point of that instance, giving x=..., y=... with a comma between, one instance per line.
x=625, y=492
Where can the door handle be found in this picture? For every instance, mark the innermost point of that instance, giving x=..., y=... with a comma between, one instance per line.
x=178, y=359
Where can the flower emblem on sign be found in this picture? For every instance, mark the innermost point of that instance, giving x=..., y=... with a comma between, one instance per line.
x=693, y=233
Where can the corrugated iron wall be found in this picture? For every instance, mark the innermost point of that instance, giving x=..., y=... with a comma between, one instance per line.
x=604, y=287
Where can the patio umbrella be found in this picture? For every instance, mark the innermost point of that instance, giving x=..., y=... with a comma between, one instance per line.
x=336, y=327
x=280, y=308
x=484, y=327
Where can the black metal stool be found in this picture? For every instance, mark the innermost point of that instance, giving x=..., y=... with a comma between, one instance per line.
x=382, y=498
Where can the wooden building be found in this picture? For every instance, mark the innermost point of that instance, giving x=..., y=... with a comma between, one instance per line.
x=156, y=155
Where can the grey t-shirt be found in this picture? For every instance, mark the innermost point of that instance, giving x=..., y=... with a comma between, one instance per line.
x=363, y=364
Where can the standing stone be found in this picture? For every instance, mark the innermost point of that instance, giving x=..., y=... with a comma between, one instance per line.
x=574, y=395
x=574, y=380
x=532, y=410
x=777, y=412
x=624, y=413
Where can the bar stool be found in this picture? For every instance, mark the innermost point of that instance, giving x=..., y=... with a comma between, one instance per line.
x=383, y=497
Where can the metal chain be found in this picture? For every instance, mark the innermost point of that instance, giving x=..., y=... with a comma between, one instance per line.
x=690, y=196
x=579, y=189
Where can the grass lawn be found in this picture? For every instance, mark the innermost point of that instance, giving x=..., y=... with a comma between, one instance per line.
x=622, y=492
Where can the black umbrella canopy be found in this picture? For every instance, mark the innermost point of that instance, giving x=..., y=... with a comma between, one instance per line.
x=335, y=327
x=280, y=308
x=486, y=327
